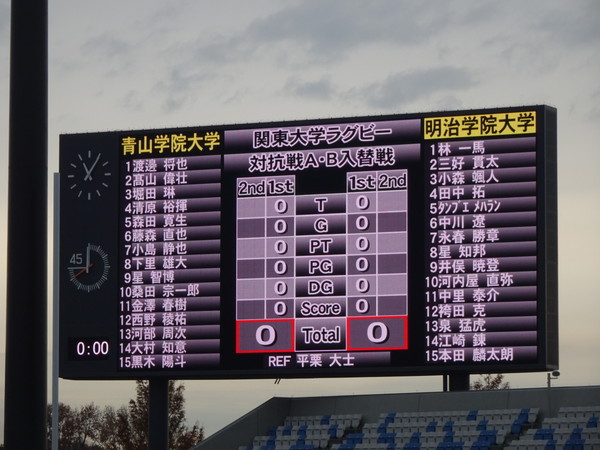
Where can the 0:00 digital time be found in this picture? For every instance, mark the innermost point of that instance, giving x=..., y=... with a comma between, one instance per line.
x=95, y=348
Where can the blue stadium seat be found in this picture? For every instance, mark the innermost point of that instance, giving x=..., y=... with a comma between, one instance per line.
x=390, y=418
x=575, y=444
x=544, y=434
x=347, y=447
x=354, y=438
x=415, y=438
x=333, y=430
x=386, y=438
x=302, y=447
x=472, y=415
x=412, y=446
x=448, y=437
x=488, y=436
x=482, y=425
x=448, y=425
x=522, y=419
x=480, y=445
x=524, y=415
x=516, y=427
x=450, y=446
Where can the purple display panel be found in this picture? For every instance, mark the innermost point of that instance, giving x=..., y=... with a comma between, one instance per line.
x=322, y=272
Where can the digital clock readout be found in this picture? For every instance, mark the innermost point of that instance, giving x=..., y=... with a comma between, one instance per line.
x=90, y=348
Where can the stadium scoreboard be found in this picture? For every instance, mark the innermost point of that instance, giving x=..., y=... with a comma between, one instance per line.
x=383, y=245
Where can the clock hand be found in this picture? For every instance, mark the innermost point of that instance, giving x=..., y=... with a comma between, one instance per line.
x=87, y=257
x=82, y=271
x=88, y=173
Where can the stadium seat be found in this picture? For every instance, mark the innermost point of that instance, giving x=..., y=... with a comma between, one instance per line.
x=574, y=429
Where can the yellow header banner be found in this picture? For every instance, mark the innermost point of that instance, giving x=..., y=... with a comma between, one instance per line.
x=480, y=125
x=175, y=143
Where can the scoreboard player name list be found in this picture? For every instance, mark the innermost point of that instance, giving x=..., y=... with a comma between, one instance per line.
x=481, y=295
x=170, y=245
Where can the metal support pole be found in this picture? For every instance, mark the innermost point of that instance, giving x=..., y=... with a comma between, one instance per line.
x=459, y=381
x=25, y=403
x=158, y=414
x=55, y=326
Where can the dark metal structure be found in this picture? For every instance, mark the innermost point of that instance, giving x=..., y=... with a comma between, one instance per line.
x=27, y=274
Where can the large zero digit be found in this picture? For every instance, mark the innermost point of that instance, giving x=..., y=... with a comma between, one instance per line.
x=377, y=328
x=280, y=288
x=266, y=335
x=280, y=308
x=280, y=247
x=281, y=206
x=362, y=244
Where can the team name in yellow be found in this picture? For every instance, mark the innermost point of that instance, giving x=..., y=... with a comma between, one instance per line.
x=480, y=125
x=171, y=143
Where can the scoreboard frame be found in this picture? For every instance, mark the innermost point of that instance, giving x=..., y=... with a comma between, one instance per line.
x=263, y=250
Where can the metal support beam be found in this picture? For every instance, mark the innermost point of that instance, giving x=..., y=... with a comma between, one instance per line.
x=459, y=382
x=158, y=414
x=27, y=265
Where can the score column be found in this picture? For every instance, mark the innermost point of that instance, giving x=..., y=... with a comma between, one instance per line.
x=377, y=260
x=265, y=248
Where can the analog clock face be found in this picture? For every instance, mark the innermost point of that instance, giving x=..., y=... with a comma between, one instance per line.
x=88, y=268
x=88, y=175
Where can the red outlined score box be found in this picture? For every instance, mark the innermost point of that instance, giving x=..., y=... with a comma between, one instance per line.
x=246, y=336
x=358, y=329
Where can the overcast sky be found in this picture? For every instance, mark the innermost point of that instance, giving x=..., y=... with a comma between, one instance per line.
x=151, y=64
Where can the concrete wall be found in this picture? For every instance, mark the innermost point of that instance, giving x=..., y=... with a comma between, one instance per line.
x=255, y=423
x=274, y=411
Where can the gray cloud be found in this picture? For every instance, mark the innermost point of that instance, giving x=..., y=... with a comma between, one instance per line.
x=310, y=35
x=105, y=46
x=333, y=28
x=180, y=86
x=594, y=109
x=575, y=23
x=404, y=87
x=322, y=89
x=326, y=31
x=4, y=20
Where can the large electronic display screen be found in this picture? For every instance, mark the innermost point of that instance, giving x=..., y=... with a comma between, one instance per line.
x=384, y=245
